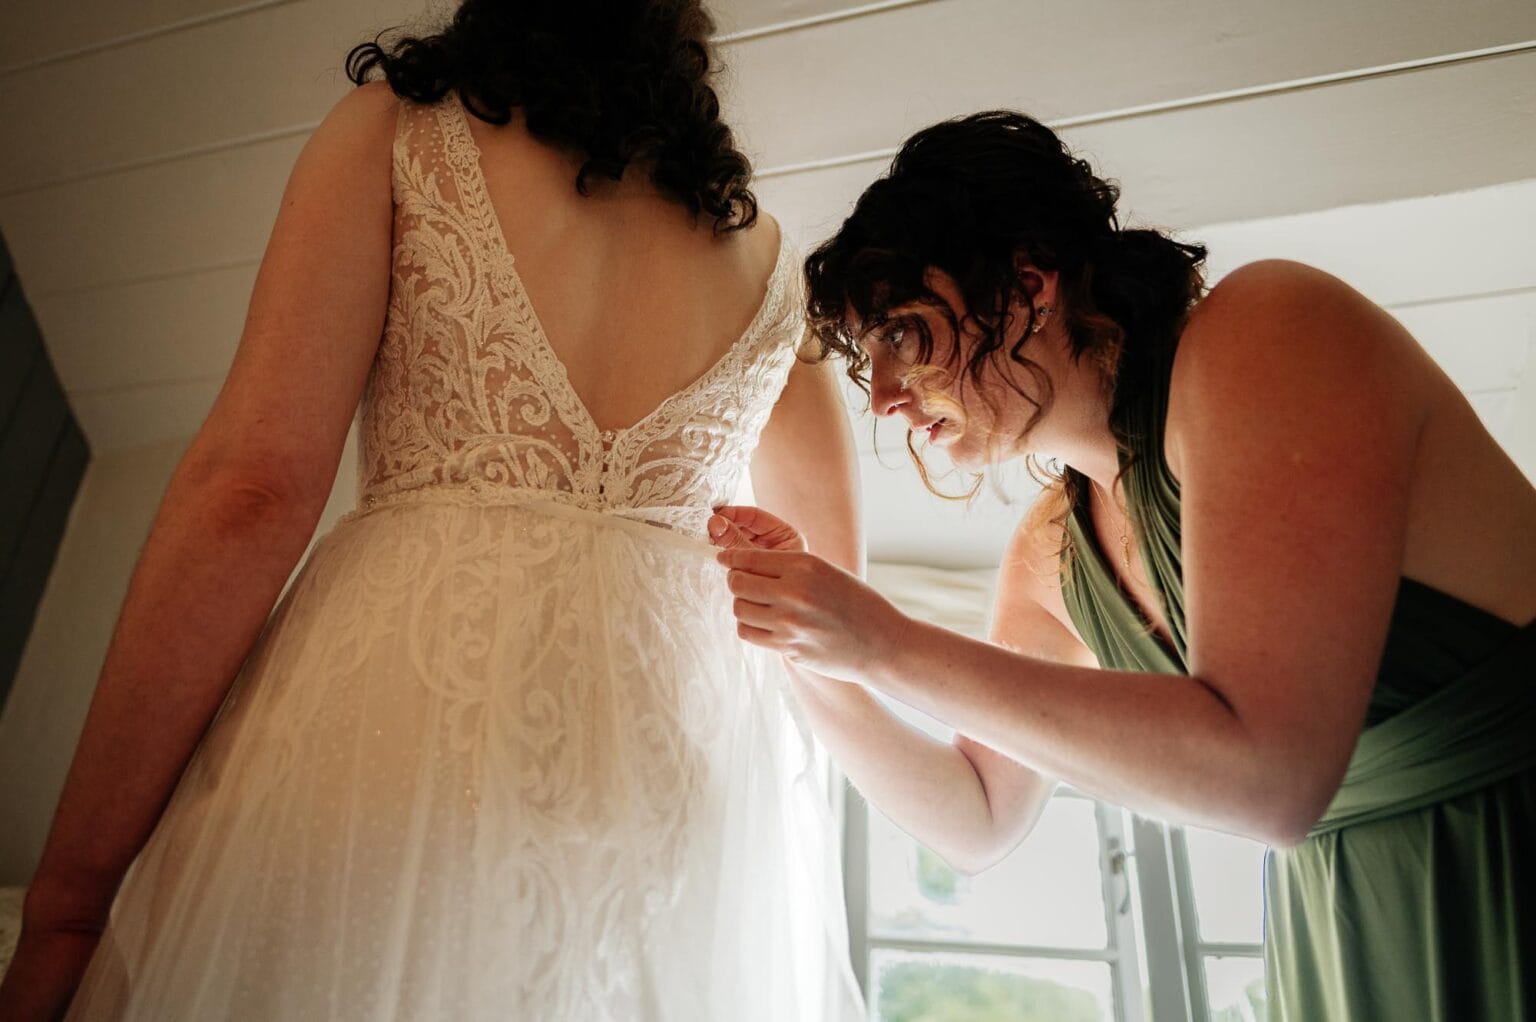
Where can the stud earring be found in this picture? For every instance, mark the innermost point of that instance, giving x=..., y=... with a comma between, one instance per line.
x=1040, y=314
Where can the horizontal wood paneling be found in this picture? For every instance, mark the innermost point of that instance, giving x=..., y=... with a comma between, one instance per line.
x=168, y=329
x=1410, y=251
x=134, y=417
x=825, y=91
x=1440, y=130
x=270, y=70
x=193, y=215
x=1481, y=343
x=733, y=17
x=40, y=29
x=866, y=83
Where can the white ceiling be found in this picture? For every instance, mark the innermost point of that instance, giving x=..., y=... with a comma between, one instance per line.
x=149, y=144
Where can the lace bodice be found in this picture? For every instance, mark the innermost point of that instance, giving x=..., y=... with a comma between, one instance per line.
x=467, y=400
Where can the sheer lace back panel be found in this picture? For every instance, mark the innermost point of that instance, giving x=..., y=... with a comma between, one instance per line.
x=467, y=401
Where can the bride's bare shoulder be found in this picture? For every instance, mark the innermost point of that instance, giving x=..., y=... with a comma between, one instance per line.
x=372, y=103
x=763, y=239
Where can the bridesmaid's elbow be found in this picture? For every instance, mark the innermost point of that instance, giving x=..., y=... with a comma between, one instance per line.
x=984, y=851
x=969, y=863
x=966, y=854
x=1287, y=783
x=1293, y=810
x=1287, y=833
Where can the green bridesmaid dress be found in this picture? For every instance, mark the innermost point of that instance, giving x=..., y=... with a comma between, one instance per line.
x=1410, y=900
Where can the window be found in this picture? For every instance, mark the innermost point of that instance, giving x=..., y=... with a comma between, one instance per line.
x=1217, y=878
x=1035, y=937
x=1097, y=915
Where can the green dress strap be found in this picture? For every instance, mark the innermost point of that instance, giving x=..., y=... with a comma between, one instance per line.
x=1110, y=623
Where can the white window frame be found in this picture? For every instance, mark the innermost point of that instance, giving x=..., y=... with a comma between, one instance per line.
x=1173, y=949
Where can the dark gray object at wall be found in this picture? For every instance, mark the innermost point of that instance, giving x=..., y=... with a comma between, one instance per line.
x=43, y=455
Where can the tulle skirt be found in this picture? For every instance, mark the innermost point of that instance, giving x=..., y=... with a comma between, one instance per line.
x=492, y=762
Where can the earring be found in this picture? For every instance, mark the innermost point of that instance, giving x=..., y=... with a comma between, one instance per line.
x=1040, y=314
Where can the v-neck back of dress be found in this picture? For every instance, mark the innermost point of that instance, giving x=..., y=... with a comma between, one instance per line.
x=468, y=394
x=498, y=250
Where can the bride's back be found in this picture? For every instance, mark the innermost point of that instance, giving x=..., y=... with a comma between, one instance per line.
x=617, y=346
x=636, y=295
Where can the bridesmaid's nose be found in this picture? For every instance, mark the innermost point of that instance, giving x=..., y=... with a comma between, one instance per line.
x=885, y=391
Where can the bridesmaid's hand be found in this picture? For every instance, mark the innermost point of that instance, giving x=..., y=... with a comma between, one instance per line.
x=817, y=615
x=735, y=525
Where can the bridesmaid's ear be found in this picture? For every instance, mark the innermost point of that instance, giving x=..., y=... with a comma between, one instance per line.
x=1040, y=285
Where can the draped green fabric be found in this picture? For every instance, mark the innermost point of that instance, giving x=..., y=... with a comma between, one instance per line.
x=1479, y=729
x=1410, y=900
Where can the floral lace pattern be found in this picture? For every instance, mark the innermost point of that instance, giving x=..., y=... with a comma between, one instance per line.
x=467, y=394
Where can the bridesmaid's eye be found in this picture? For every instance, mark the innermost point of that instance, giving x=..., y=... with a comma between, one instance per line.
x=895, y=335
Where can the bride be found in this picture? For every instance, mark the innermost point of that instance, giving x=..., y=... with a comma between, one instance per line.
x=498, y=747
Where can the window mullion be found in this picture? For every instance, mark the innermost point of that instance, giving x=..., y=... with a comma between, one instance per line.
x=1184, y=891
x=1167, y=977
x=1114, y=869
x=856, y=880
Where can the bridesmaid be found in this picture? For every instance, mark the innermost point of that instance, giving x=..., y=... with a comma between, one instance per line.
x=1282, y=586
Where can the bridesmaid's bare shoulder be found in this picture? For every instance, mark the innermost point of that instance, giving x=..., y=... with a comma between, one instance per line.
x=1279, y=325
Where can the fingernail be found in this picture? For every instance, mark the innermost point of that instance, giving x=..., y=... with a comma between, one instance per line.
x=716, y=525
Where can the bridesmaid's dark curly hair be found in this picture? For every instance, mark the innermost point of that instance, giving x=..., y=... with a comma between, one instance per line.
x=619, y=81
x=965, y=196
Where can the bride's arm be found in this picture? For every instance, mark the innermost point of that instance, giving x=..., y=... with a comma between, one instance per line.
x=967, y=803
x=238, y=512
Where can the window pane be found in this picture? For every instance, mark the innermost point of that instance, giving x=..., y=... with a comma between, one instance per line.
x=1236, y=987
x=909, y=986
x=1228, y=874
x=1047, y=893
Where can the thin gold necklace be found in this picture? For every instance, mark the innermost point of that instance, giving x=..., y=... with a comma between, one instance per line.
x=1123, y=530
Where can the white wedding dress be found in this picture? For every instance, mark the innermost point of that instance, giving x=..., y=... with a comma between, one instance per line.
x=498, y=752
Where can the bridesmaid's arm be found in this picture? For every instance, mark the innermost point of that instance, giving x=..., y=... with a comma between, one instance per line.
x=238, y=512
x=965, y=802
x=1025, y=620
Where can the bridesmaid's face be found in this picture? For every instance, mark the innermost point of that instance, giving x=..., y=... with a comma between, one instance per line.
x=975, y=422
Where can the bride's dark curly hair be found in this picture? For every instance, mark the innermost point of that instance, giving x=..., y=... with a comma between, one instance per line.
x=619, y=81
x=965, y=196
